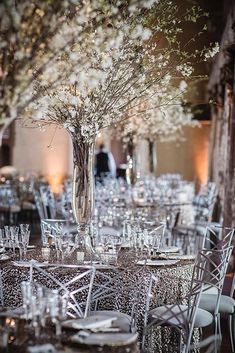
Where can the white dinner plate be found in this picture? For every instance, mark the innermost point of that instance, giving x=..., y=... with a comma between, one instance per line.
x=178, y=257
x=4, y=257
x=169, y=249
x=92, y=322
x=31, y=246
x=158, y=262
x=104, y=339
x=28, y=263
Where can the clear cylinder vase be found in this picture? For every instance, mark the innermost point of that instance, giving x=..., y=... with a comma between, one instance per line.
x=83, y=184
x=131, y=163
x=152, y=157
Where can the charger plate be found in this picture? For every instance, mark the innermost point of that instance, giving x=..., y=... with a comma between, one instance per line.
x=178, y=257
x=158, y=262
x=92, y=322
x=104, y=339
x=169, y=249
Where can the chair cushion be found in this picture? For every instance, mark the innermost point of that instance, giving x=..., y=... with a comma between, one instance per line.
x=123, y=320
x=208, y=302
x=207, y=289
x=203, y=318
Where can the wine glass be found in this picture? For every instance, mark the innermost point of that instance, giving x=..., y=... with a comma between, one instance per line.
x=57, y=306
x=25, y=241
x=27, y=292
x=35, y=315
x=7, y=236
x=24, y=228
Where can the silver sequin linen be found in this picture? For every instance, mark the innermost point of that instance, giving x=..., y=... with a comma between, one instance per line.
x=173, y=284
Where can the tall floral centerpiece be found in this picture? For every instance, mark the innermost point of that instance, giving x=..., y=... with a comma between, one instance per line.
x=36, y=35
x=158, y=117
x=110, y=69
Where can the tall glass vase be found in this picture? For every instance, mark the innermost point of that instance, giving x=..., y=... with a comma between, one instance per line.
x=83, y=183
x=152, y=157
x=131, y=163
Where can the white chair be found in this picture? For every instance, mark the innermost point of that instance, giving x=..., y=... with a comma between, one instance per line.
x=109, y=288
x=76, y=286
x=212, y=299
x=186, y=315
x=226, y=308
x=45, y=202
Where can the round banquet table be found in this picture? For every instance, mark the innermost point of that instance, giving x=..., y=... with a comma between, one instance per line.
x=173, y=284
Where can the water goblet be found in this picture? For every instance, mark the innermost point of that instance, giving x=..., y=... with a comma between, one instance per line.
x=4, y=337
x=57, y=309
x=24, y=228
x=21, y=247
x=2, y=239
x=7, y=236
x=27, y=292
x=35, y=315
x=42, y=305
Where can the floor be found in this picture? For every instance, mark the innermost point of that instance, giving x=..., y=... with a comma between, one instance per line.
x=225, y=347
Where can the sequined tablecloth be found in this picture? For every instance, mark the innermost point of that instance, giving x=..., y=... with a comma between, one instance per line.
x=173, y=284
x=89, y=349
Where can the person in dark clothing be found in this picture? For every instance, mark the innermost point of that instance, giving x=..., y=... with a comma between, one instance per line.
x=104, y=164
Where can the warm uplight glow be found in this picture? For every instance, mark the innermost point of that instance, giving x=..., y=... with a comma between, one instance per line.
x=201, y=156
x=10, y=322
x=56, y=182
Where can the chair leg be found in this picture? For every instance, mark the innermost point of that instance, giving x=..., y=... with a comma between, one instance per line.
x=219, y=328
x=231, y=331
x=216, y=330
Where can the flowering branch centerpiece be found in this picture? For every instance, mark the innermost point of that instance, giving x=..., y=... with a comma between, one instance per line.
x=36, y=36
x=106, y=73
x=158, y=117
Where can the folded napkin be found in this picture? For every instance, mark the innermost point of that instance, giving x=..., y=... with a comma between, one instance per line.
x=44, y=348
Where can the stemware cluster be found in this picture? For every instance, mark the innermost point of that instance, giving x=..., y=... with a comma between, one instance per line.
x=58, y=233
x=14, y=237
x=143, y=236
x=41, y=304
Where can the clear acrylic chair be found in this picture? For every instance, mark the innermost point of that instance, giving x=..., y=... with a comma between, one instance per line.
x=204, y=202
x=72, y=282
x=185, y=315
x=45, y=202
